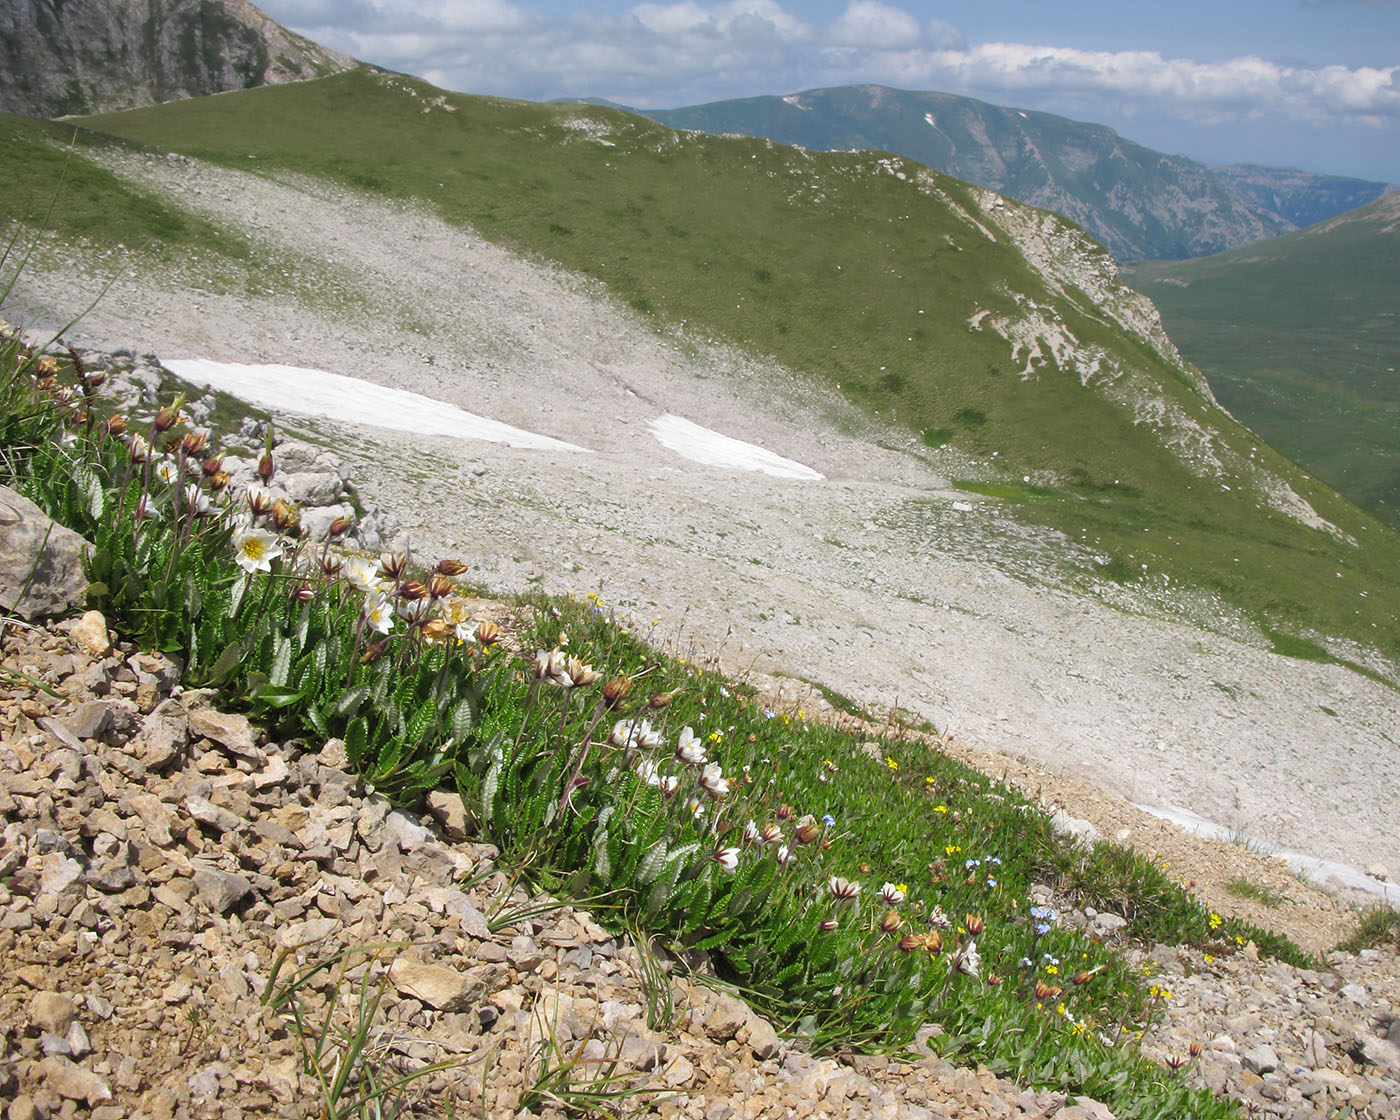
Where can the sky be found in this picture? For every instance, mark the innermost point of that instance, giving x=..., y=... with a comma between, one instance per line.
x=1313, y=84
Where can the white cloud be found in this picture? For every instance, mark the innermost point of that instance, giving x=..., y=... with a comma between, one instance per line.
x=667, y=54
x=868, y=23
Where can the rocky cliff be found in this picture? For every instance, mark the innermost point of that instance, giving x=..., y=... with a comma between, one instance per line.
x=60, y=57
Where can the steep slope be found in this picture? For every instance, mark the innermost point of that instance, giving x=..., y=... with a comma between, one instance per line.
x=88, y=56
x=1300, y=338
x=883, y=579
x=1137, y=202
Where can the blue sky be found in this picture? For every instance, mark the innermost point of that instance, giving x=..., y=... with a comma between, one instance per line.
x=1302, y=83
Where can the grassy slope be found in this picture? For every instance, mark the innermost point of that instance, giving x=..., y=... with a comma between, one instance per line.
x=1300, y=337
x=834, y=266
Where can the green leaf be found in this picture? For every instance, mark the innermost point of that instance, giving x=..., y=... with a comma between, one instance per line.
x=652, y=862
x=281, y=667
x=463, y=720
x=350, y=703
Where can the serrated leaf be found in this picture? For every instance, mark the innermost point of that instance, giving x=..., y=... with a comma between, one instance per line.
x=281, y=667
x=463, y=720
x=350, y=703
x=651, y=863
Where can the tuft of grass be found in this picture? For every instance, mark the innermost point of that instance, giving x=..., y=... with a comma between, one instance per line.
x=1378, y=927
x=1246, y=888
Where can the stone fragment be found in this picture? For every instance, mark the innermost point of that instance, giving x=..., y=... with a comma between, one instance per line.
x=678, y=1072
x=760, y=1037
x=72, y=1082
x=438, y=986
x=726, y=1017
x=455, y=903
x=215, y=816
x=301, y=934
x=52, y=1012
x=162, y=737
x=90, y=634
x=448, y=811
x=1260, y=1059
x=1379, y=1052
x=41, y=562
x=230, y=731
x=221, y=890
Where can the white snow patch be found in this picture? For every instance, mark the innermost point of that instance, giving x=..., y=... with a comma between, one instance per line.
x=331, y=396
x=928, y=120
x=701, y=445
x=1315, y=869
x=796, y=102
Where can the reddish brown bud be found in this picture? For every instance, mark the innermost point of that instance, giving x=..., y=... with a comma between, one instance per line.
x=412, y=591
x=265, y=467
x=439, y=586
x=339, y=527
x=304, y=593
x=974, y=924
x=487, y=633
x=212, y=466
x=284, y=514
x=374, y=652
x=659, y=700
x=891, y=921
x=219, y=481
x=450, y=568
x=166, y=419
x=116, y=426
x=193, y=444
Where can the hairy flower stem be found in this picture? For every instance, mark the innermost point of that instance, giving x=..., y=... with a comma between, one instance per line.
x=573, y=782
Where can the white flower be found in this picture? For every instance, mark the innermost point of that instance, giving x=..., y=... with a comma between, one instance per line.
x=624, y=737
x=892, y=895
x=752, y=835
x=727, y=858
x=379, y=612
x=553, y=666
x=968, y=959
x=361, y=574
x=196, y=501
x=843, y=889
x=713, y=781
x=648, y=738
x=689, y=748
x=254, y=550
x=784, y=855
x=167, y=471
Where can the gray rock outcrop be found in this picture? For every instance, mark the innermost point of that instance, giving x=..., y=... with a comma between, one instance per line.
x=89, y=56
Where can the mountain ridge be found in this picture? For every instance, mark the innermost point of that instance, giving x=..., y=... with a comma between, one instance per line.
x=1138, y=202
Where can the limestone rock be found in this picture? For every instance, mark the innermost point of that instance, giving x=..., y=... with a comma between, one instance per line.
x=438, y=986
x=41, y=562
x=221, y=890
x=90, y=634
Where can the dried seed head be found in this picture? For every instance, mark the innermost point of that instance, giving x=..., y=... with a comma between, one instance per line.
x=284, y=515
x=784, y=812
x=193, y=444
x=891, y=921
x=219, y=481
x=331, y=565
x=659, y=700
x=436, y=631
x=807, y=829
x=615, y=691
x=450, y=568
x=374, y=652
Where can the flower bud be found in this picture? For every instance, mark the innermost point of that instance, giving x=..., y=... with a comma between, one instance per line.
x=116, y=426
x=284, y=515
x=450, y=568
x=266, y=468
x=339, y=527
x=374, y=652
x=659, y=700
x=974, y=924
x=807, y=829
x=412, y=591
x=165, y=419
x=439, y=586
x=891, y=921
x=304, y=593
x=392, y=565
x=219, y=481
x=487, y=633
x=211, y=466
x=193, y=444
x=829, y=926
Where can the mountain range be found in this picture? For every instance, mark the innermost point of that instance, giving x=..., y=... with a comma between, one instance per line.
x=1139, y=203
